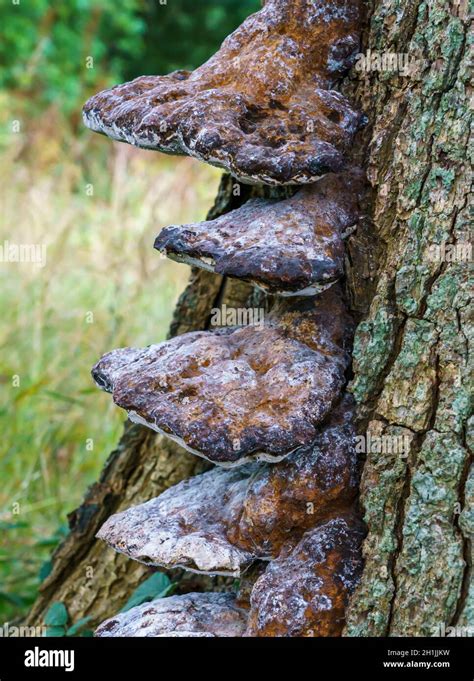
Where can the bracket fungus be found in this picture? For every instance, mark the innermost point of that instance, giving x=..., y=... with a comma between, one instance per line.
x=224, y=396
x=289, y=247
x=220, y=521
x=192, y=615
x=305, y=593
x=262, y=107
x=264, y=401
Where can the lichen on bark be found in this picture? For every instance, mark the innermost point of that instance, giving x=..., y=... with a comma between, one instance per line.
x=412, y=349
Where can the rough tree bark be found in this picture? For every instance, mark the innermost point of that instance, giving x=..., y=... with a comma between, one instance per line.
x=410, y=356
x=411, y=350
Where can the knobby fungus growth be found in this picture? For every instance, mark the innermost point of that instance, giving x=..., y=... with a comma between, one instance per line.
x=221, y=521
x=262, y=107
x=225, y=396
x=264, y=402
x=193, y=615
x=292, y=247
x=304, y=592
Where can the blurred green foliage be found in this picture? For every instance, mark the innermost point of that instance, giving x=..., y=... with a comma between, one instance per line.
x=46, y=47
x=185, y=33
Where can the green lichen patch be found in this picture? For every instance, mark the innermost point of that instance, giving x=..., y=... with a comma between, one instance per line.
x=430, y=566
x=409, y=390
x=381, y=491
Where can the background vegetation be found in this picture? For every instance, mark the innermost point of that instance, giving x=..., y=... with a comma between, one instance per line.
x=97, y=207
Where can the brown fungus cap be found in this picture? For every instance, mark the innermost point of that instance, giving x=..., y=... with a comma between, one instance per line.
x=218, y=522
x=289, y=247
x=191, y=615
x=262, y=107
x=239, y=394
x=306, y=592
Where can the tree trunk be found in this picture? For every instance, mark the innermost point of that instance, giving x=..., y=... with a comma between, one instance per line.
x=411, y=350
x=410, y=353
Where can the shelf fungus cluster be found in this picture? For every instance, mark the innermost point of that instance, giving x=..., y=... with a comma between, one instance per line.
x=264, y=403
x=221, y=521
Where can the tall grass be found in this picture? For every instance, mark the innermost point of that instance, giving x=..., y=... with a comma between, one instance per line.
x=97, y=207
